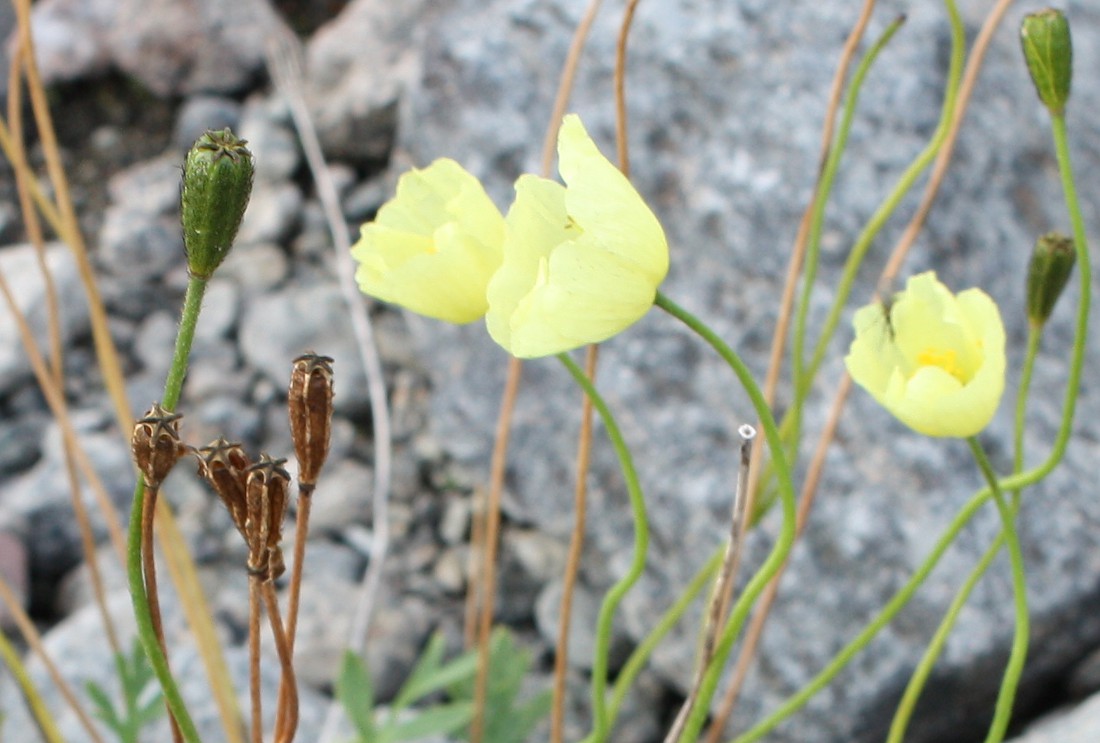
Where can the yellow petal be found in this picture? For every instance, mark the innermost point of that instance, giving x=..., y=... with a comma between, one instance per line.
x=434, y=246
x=581, y=262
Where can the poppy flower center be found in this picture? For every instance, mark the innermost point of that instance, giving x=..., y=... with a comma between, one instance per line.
x=946, y=359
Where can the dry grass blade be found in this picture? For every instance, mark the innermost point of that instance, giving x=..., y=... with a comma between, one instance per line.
x=34, y=640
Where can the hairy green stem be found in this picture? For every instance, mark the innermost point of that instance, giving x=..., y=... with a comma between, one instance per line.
x=173, y=385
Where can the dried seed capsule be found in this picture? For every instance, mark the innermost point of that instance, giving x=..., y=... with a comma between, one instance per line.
x=217, y=182
x=156, y=444
x=309, y=403
x=224, y=465
x=1047, y=275
x=266, y=495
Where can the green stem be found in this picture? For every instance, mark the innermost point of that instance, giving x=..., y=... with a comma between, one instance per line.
x=923, y=671
x=1018, y=656
x=1034, y=334
x=173, y=385
x=785, y=540
x=637, y=660
x=932, y=653
x=601, y=725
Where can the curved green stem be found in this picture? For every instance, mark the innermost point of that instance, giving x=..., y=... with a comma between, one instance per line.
x=890, y=204
x=637, y=660
x=932, y=653
x=601, y=725
x=783, y=543
x=173, y=385
x=1018, y=656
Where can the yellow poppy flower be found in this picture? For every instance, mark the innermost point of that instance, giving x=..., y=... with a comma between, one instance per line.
x=433, y=247
x=934, y=359
x=582, y=262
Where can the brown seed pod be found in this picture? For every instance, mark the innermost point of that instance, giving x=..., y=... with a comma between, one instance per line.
x=224, y=465
x=156, y=445
x=309, y=404
x=266, y=496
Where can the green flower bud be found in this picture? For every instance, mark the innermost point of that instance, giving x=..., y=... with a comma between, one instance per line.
x=1048, y=50
x=1050, y=269
x=217, y=181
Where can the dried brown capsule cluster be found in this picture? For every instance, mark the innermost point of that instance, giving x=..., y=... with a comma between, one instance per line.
x=224, y=465
x=309, y=404
x=266, y=498
x=156, y=444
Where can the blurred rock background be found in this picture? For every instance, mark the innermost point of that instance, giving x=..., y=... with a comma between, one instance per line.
x=725, y=102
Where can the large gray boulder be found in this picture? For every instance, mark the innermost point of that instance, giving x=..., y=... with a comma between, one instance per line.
x=726, y=102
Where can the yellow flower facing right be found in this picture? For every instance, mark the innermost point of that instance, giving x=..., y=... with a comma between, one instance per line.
x=934, y=359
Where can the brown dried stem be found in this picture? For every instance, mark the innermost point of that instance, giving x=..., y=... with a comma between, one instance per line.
x=492, y=534
x=254, y=690
x=287, y=715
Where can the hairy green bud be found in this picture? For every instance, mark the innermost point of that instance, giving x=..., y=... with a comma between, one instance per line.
x=217, y=181
x=1048, y=51
x=1050, y=269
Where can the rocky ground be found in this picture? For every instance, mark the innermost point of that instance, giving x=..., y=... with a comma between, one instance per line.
x=725, y=103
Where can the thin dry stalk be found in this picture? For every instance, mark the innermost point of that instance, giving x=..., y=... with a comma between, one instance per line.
x=492, y=534
x=254, y=691
x=34, y=641
x=726, y=575
x=22, y=172
x=287, y=713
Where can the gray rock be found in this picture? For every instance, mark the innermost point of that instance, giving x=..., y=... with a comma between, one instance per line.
x=358, y=67
x=266, y=125
x=201, y=113
x=42, y=496
x=342, y=496
x=21, y=442
x=1080, y=724
x=255, y=267
x=19, y=266
x=173, y=50
x=272, y=212
x=141, y=238
x=13, y=569
x=275, y=328
x=725, y=107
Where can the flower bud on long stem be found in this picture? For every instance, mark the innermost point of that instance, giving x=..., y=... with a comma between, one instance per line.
x=217, y=183
x=1051, y=266
x=1048, y=50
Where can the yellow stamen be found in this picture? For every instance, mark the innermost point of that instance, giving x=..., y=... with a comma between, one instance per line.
x=944, y=358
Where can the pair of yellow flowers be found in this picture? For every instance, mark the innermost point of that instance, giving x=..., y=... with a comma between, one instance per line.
x=570, y=265
x=576, y=264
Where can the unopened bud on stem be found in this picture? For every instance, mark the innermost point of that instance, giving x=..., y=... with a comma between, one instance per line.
x=217, y=182
x=1048, y=51
x=1047, y=275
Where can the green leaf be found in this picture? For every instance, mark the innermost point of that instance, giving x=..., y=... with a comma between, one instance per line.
x=439, y=720
x=356, y=692
x=103, y=708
